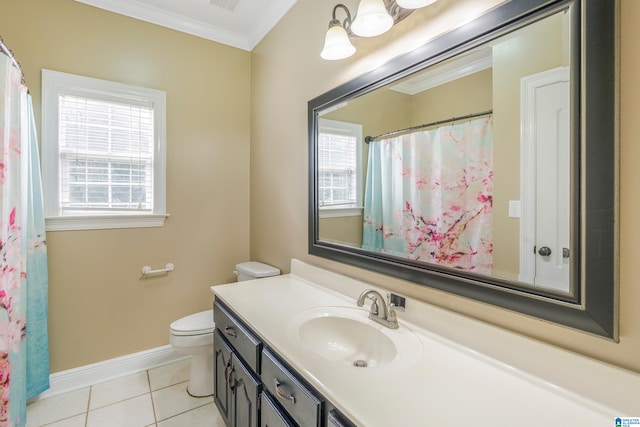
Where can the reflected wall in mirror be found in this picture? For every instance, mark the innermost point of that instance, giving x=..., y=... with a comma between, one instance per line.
x=464, y=165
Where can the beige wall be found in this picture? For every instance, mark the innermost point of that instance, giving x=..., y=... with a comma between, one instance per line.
x=466, y=95
x=287, y=71
x=99, y=308
x=343, y=230
x=378, y=111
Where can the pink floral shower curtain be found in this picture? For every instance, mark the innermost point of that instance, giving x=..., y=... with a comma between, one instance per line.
x=429, y=196
x=24, y=352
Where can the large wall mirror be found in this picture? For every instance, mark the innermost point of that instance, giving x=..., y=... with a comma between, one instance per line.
x=483, y=164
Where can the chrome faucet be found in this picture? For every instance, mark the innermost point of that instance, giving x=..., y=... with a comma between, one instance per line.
x=380, y=312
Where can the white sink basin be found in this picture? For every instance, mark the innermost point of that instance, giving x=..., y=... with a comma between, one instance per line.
x=346, y=336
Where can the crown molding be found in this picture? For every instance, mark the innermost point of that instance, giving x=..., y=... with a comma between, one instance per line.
x=447, y=72
x=144, y=12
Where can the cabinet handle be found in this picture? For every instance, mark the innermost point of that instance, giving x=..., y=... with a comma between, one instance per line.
x=230, y=331
x=226, y=371
x=281, y=394
x=231, y=386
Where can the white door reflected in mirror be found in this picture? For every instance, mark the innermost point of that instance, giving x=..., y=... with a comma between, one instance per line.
x=545, y=180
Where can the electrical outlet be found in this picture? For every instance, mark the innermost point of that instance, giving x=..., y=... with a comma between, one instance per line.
x=398, y=301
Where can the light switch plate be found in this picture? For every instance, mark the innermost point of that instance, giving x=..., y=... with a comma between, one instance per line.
x=514, y=208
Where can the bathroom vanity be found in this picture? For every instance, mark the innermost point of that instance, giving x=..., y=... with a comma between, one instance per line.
x=250, y=377
x=297, y=350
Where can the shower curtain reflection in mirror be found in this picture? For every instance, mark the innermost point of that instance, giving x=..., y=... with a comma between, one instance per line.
x=429, y=196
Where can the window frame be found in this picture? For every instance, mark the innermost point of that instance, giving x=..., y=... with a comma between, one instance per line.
x=354, y=130
x=54, y=84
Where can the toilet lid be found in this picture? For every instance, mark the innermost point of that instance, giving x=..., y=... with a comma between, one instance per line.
x=257, y=269
x=194, y=324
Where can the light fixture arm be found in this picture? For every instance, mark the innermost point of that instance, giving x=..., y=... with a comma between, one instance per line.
x=397, y=13
x=346, y=24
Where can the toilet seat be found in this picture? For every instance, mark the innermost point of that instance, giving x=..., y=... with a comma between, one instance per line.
x=195, y=324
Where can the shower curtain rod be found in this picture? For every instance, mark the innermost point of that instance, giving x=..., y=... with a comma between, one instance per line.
x=5, y=49
x=368, y=139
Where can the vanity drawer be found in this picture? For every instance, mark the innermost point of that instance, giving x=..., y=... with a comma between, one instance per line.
x=299, y=402
x=271, y=415
x=335, y=418
x=246, y=344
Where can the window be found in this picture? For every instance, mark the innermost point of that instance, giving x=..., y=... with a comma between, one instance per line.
x=103, y=153
x=339, y=168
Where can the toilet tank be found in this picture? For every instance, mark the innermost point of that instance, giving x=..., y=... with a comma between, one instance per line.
x=255, y=270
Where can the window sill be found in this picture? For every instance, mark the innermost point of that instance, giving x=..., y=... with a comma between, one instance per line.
x=100, y=222
x=339, y=212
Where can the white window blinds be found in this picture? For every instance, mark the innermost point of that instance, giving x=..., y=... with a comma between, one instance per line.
x=337, y=170
x=339, y=165
x=103, y=153
x=106, y=156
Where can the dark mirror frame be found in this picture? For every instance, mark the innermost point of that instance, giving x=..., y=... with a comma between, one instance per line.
x=592, y=304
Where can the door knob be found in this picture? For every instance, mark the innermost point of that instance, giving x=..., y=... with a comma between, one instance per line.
x=544, y=251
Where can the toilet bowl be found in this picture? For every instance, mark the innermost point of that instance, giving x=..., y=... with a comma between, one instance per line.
x=193, y=334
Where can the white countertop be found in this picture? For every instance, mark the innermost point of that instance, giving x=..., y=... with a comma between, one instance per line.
x=469, y=372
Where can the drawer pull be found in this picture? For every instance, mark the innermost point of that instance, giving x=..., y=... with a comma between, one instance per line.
x=230, y=331
x=281, y=394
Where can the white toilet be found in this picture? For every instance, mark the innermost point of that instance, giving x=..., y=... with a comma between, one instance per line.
x=193, y=334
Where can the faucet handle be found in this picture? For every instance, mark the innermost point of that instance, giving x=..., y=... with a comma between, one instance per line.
x=374, y=305
x=391, y=313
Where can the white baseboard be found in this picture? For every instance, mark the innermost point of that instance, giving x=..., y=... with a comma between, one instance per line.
x=85, y=376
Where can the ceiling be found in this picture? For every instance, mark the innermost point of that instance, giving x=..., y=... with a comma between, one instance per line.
x=237, y=23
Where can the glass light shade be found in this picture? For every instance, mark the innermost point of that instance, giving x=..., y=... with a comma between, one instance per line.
x=372, y=19
x=414, y=4
x=337, y=44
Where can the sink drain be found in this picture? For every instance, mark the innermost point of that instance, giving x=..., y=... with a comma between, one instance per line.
x=360, y=364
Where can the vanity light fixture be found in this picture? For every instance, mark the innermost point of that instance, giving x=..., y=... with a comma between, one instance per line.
x=336, y=43
x=374, y=17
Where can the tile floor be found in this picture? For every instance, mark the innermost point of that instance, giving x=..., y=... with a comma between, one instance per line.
x=153, y=398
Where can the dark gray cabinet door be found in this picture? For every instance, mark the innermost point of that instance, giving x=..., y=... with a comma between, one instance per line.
x=246, y=394
x=222, y=394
